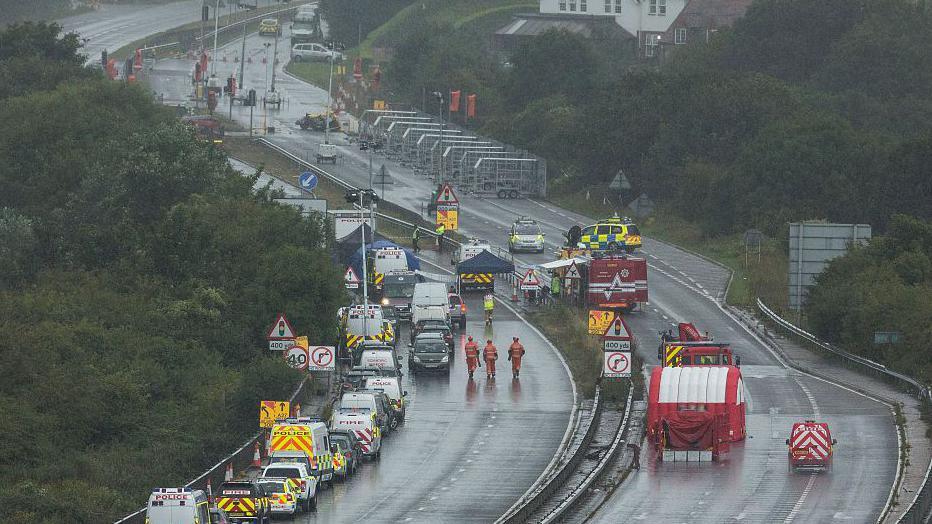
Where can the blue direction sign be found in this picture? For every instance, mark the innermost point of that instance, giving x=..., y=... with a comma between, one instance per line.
x=308, y=181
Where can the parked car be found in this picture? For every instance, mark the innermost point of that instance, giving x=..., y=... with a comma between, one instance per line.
x=348, y=446
x=429, y=353
x=433, y=326
x=314, y=52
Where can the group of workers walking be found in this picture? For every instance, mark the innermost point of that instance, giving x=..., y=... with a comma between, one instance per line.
x=490, y=355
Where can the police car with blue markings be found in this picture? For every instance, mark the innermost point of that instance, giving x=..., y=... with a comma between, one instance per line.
x=611, y=234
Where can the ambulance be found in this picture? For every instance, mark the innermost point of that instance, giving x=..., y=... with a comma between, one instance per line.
x=297, y=438
x=363, y=424
x=177, y=506
x=810, y=446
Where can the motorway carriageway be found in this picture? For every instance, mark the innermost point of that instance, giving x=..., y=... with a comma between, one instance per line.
x=752, y=482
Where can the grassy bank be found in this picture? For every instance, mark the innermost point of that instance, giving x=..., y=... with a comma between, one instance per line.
x=316, y=73
x=566, y=328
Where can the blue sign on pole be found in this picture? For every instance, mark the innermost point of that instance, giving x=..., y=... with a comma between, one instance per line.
x=308, y=181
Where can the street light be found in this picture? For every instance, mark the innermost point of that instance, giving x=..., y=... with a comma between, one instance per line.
x=439, y=97
x=267, y=46
x=213, y=59
x=332, y=46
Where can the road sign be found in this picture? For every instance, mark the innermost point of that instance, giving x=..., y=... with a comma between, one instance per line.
x=600, y=320
x=271, y=411
x=616, y=345
x=281, y=345
x=281, y=329
x=322, y=359
x=617, y=364
x=573, y=271
x=297, y=357
x=530, y=282
x=308, y=181
x=350, y=280
x=620, y=182
x=448, y=216
x=617, y=329
x=447, y=196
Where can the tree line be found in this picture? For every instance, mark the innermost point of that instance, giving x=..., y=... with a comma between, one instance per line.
x=138, y=275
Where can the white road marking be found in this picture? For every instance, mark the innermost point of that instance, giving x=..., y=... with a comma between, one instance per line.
x=801, y=501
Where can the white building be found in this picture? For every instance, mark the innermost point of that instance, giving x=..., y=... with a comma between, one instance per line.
x=645, y=19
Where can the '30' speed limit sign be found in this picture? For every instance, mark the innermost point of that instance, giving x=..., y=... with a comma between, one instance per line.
x=297, y=357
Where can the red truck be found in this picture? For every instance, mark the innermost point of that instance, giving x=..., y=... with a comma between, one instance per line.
x=692, y=349
x=694, y=413
x=616, y=281
x=810, y=446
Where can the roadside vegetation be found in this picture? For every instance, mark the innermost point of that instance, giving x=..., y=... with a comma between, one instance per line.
x=138, y=274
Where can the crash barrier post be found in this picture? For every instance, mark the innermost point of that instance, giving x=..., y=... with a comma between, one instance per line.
x=558, y=479
x=241, y=459
x=921, y=504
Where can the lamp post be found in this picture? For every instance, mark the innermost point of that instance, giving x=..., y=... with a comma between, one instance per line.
x=267, y=46
x=213, y=59
x=332, y=46
x=439, y=97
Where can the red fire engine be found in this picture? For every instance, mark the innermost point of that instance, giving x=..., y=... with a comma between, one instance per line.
x=616, y=281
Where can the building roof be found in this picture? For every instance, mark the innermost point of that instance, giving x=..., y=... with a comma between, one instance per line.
x=534, y=24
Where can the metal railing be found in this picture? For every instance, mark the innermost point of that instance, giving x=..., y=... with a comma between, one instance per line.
x=241, y=460
x=921, y=504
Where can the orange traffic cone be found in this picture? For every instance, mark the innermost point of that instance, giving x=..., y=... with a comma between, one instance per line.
x=229, y=473
x=514, y=292
x=256, y=457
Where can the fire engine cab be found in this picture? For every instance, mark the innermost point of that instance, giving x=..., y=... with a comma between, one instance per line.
x=810, y=446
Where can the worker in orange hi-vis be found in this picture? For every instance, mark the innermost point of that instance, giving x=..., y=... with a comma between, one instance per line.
x=490, y=355
x=472, y=356
x=515, y=352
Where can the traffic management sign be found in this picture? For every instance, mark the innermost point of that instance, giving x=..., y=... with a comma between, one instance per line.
x=281, y=329
x=573, y=271
x=447, y=196
x=616, y=345
x=322, y=359
x=271, y=411
x=350, y=280
x=617, y=329
x=297, y=357
x=448, y=215
x=617, y=364
x=530, y=282
x=281, y=345
x=308, y=181
x=600, y=320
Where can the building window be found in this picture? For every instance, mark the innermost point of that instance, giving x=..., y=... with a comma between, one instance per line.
x=572, y=5
x=562, y=5
x=651, y=43
x=608, y=6
x=662, y=7
x=617, y=6
x=582, y=5
x=652, y=7
x=679, y=37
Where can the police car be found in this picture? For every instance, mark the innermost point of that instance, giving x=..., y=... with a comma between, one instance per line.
x=611, y=234
x=526, y=236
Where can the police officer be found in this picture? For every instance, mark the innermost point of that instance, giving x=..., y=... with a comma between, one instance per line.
x=515, y=352
x=488, y=304
x=441, y=229
x=472, y=356
x=490, y=355
x=415, y=236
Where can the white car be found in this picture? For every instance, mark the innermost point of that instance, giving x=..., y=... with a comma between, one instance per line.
x=311, y=52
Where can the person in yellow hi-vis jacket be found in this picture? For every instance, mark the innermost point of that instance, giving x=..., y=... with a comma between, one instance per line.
x=488, y=304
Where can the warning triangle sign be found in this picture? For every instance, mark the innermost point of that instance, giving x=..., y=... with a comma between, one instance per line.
x=446, y=196
x=573, y=271
x=350, y=276
x=281, y=329
x=618, y=329
x=530, y=279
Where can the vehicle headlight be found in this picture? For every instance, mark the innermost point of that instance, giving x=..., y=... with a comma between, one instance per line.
x=416, y=359
x=384, y=301
x=445, y=359
x=540, y=238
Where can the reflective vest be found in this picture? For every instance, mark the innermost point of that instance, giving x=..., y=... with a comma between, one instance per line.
x=416, y=234
x=472, y=350
x=441, y=229
x=555, y=285
x=490, y=352
x=516, y=350
x=488, y=303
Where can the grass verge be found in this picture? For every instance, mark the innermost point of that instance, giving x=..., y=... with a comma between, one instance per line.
x=566, y=328
x=316, y=73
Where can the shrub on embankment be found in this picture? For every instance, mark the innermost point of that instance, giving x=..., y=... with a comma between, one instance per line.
x=138, y=274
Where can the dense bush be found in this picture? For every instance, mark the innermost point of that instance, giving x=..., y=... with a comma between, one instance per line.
x=138, y=274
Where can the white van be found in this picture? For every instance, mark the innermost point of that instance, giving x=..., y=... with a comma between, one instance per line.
x=378, y=358
x=430, y=294
x=177, y=506
x=430, y=313
x=392, y=389
x=287, y=443
x=362, y=424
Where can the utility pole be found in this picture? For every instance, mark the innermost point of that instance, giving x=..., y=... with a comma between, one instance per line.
x=329, y=97
x=365, y=271
x=213, y=59
x=242, y=61
x=439, y=96
x=274, y=57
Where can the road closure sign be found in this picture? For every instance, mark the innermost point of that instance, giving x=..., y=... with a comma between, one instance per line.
x=600, y=320
x=323, y=358
x=617, y=364
x=271, y=411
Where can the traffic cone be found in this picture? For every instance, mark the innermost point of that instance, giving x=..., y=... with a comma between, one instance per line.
x=514, y=292
x=257, y=457
x=229, y=473
x=297, y=410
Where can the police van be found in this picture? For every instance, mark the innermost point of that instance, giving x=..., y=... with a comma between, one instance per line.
x=177, y=506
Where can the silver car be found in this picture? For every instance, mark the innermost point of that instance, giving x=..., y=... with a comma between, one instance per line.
x=526, y=236
x=314, y=52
